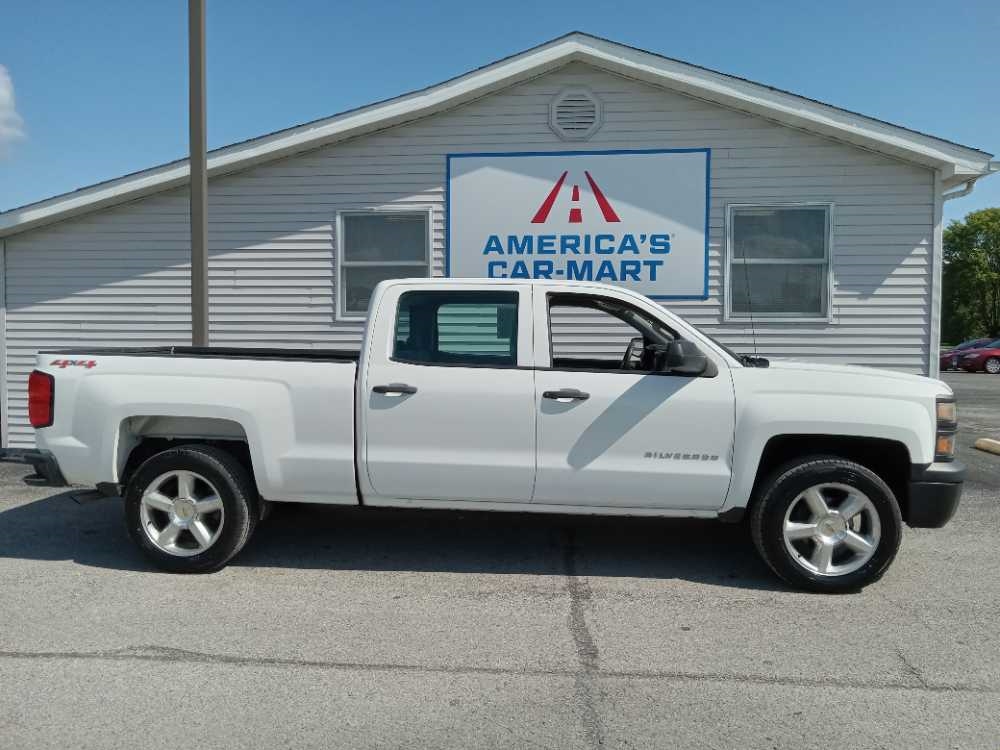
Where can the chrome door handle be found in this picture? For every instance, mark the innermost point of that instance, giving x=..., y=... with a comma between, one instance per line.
x=395, y=389
x=566, y=394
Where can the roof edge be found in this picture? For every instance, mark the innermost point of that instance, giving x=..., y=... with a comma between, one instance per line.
x=784, y=106
x=956, y=162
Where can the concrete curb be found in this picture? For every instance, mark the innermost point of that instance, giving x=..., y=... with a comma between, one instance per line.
x=989, y=445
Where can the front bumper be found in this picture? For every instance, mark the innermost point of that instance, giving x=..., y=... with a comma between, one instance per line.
x=935, y=490
x=45, y=464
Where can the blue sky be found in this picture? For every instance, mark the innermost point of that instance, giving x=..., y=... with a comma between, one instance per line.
x=100, y=87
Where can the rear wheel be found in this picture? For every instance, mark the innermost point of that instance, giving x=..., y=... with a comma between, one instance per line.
x=191, y=509
x=827, y=525
x=992, y=366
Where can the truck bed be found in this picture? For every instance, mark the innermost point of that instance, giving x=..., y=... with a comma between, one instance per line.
x=215, y=352
x=294, y=408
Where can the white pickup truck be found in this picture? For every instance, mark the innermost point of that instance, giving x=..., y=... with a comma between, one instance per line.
x=473, y=395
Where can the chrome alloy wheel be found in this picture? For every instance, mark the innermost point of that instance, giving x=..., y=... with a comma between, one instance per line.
x=181, y=513
x=992, y=366
x=831, y=529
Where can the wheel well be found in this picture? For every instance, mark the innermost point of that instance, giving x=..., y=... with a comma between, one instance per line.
x=889, y=459
x=147, y=447
x=144, y=435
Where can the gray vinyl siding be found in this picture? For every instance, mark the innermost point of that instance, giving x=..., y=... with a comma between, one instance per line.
x=120, y=277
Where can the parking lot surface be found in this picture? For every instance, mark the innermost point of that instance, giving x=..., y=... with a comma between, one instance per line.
x=357, y=628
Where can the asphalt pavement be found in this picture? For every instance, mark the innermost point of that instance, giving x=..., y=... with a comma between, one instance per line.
x=393, y=629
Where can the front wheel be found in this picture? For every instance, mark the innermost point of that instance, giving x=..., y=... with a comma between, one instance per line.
x=992, y=366
x=191, y=509
x=827, y=525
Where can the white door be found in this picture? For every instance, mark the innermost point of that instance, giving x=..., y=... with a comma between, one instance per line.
x=448, y=413
x=627, y=437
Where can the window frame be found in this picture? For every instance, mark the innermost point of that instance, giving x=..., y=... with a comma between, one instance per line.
x=427, y=212
x=517, y=365
x=827, y=260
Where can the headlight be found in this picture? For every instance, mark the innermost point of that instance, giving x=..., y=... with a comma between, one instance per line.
x=947, y=413
x=947, y=426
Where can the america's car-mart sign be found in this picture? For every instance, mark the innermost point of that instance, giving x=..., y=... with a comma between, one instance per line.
x=636, y=218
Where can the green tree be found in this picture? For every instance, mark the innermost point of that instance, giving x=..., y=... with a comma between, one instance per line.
x=971, y=277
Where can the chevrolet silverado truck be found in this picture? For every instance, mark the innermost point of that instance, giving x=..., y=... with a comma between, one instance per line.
x=486, y=395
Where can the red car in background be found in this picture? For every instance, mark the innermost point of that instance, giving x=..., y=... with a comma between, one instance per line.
x=951, y=357
x=985, y=357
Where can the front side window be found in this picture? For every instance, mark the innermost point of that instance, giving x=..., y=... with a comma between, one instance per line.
x=457, y=328
x=779, y=262
x=375, y=246
x=598, y=333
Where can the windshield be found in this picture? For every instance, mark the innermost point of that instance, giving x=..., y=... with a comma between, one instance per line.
x=747, y=360
x=726, y=349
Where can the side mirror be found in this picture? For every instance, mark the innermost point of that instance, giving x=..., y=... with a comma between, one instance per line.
x=683, y=358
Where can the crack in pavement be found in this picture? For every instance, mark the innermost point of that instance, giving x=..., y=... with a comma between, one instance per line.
x=586, y=650
x=153, y=653
x=911, y=668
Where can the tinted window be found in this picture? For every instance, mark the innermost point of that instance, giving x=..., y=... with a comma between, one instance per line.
x=385, y=237
x=772, y=232
x=778, y=289
x=779, y=261
x=373, y=247
x=457, y=328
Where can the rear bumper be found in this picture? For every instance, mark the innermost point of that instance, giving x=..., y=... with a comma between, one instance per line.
x=45, y=464
x=935, y=491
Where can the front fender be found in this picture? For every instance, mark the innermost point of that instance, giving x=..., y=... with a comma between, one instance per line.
x=770, y=415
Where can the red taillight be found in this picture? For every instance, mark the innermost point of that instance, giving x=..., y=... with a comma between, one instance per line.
x=41, y=398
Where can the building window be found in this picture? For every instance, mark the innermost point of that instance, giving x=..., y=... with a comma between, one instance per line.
x=779, y=262
x=471, y=329
x=374, y=246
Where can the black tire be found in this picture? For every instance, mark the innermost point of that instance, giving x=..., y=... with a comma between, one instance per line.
x=994, y=363
x=235, y=488
x=767, y=519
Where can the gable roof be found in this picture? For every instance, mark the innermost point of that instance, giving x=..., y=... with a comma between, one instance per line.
x=957, y=163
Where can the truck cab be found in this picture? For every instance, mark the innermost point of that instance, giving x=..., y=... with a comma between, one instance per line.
x=501, y=404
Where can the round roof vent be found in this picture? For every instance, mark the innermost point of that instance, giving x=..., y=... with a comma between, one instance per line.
x=575, y=114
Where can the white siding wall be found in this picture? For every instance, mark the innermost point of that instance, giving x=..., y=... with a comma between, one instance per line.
x=119, y=276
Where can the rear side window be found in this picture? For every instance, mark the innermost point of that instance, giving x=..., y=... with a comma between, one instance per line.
x=457, y=328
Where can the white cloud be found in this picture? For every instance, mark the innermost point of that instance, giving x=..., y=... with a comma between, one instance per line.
x=11, y=124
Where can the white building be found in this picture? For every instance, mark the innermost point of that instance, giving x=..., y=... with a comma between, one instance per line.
x=822, y=225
